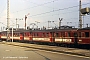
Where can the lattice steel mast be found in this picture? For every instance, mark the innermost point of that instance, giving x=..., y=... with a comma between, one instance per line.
x=80, y=15
x=7, y=20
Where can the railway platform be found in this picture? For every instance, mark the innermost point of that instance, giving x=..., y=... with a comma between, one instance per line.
x=74, y=51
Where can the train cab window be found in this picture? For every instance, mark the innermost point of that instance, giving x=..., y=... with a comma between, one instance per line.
x=86, y=34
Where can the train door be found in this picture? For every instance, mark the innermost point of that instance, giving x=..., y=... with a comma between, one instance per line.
x=31, y=36
x=52, y=38
x=22, y=36
x=63, y=37
x=75, y=38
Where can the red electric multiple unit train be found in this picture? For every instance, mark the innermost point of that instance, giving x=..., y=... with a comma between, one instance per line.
x=65, y=36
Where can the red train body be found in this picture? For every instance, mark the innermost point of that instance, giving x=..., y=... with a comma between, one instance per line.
x=84, y=36
x=68, y=36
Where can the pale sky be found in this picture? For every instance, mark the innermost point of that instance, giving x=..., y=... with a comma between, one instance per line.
x=43, y=11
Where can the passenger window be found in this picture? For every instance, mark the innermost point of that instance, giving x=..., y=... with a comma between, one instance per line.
x=35, y=34
x=75, y=35
x=47, y=34
x=57, y=34
x=43, y=34
x=82, y=34
x=18, y=34
x=24, y=34
x=62, y=34
x=79, y=34
x=69, y=34
x=86, y=34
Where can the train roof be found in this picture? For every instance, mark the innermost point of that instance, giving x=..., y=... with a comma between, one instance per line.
x=44, y=30
x=49, y=30
x=87, y=28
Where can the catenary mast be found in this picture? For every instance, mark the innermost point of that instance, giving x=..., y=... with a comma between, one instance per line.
x=7, y=20
x=80, y=15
